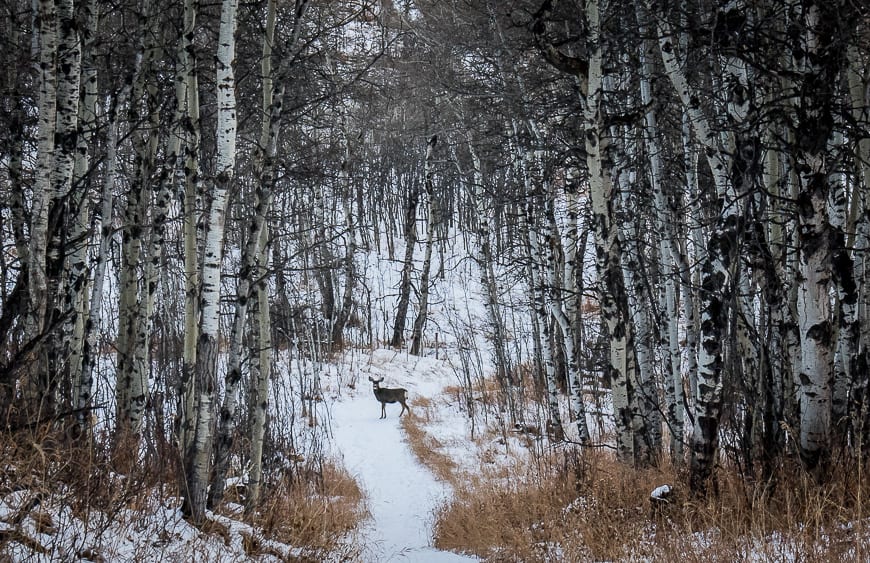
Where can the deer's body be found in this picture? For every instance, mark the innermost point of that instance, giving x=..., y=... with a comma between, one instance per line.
x=386, y=395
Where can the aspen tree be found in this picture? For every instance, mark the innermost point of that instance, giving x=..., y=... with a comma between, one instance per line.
x=131, y=381
x=668, y=248
x=45, y=36
x=410, y=230
x=76, y=301
x=197, y=458
x=192, y=186
x=820, y=57
x=431, y=227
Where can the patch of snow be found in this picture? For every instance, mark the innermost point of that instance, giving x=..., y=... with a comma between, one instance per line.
x=661, y=492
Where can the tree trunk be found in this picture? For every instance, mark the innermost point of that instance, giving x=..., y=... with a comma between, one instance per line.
x=342, y=315
x=555, y=302
x=859, y=402
x=413, y=201
x=612, y=296
x=260, y=373
x=198, y=456
x=247, y=283
x=674, y=393
x=717, y=271
x=76, y=120
x=821, y=55
x=132, y=372
x=37, y=284
x=485, y=261
x=423, y=311
x=85, y=382
x=541, y=312
x=191, y=189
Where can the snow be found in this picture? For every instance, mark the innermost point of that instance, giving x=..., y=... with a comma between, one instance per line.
x=153, y=532
x=402, y=494
x=661, y=492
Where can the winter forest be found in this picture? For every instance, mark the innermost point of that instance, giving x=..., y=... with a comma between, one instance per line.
x=620, y=244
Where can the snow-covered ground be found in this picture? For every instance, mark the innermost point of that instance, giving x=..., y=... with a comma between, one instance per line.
x=402, y=494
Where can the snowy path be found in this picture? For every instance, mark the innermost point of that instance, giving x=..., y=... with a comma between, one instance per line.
x=402, y=494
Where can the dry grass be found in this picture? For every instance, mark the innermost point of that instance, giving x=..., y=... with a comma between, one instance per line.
x=317, y=511
x=487, y=393
x=571, y=506
x=489, y=513
x=425, y=446
x=43, y=466
x=44, y=460
x=591, y=508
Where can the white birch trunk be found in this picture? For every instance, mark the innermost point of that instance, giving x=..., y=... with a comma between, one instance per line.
x=18, y=214
x=541, y=311
x=345, y=306
x=859, y=406
x=258, y=398
x=423, y=307
x=778, y=355
x=572, y=280
x=68, y=290
x=485, y=261
x=45, y=35
x=814, y=321
x=555, y=308
x=398, y=337
x=667, y=245
x=248, y=271
x=646, y=419
x=69, y=52
x=191, y=189
x=820, y=57
x=131, y=385
x=717, y=285
x=62, y=300
x=260, y=374
x=690, y=277
x=198, y=457
x=538, y=280
x=77, y=262
x=608, y=252
x=847, y=301
x=589, y=75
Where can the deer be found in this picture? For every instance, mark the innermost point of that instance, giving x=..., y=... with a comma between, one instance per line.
x=386, y=395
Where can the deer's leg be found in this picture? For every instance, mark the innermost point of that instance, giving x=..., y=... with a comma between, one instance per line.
x=383, y=410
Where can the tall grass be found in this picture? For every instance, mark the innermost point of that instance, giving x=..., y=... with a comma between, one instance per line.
x=318, y=512
x=573, y=505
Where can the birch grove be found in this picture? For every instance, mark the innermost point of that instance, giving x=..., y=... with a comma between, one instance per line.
x=664, y=205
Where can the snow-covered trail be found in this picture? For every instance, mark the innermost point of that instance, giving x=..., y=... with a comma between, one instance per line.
x=402, y=494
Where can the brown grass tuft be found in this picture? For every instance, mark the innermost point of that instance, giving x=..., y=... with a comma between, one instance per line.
x=511, y=516
x=317, y=510
x=425, y=446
